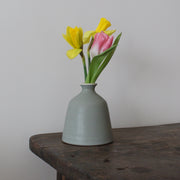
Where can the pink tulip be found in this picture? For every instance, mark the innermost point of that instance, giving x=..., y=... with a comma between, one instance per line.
x=101, y=43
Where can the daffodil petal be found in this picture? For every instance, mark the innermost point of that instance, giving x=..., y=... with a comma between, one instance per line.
x=74, y=36
x=110, y=32
x=87, y=36
x=67, y=36
x=80, y=37
x=73, y=53
x=68, y=39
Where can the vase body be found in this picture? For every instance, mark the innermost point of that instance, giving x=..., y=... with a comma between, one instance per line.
x=87, y=120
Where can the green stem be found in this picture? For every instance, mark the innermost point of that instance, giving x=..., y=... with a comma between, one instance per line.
x=84, y=65
x=88, y=52
x=89, y=59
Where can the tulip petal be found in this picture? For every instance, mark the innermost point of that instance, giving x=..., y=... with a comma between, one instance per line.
x=107, y=44
x=110, y=32
x=87, y=36
x=99, y=40
x=72, y=53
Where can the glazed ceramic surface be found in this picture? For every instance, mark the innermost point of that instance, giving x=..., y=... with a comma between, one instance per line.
x=87, y=119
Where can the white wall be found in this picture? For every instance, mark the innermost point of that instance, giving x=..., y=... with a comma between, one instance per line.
x=141, y=84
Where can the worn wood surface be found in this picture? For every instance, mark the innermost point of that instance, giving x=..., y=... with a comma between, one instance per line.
x=144, y=153
x=60, y=176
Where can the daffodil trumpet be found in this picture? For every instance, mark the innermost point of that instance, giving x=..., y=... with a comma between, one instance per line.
x=102, y=26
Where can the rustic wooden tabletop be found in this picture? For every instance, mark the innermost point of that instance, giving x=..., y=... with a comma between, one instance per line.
x=141, y=153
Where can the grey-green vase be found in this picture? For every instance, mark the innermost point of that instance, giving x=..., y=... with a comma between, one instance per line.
x=87, y=120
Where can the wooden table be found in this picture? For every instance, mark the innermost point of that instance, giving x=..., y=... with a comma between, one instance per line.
x=143, y=153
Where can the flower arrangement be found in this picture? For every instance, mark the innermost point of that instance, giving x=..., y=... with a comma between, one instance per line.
x=99, y=51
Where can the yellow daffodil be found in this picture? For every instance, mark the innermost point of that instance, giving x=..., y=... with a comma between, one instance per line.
x=103, y=25
x=74, y=36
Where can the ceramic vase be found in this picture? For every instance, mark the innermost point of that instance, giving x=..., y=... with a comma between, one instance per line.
x=87, y=120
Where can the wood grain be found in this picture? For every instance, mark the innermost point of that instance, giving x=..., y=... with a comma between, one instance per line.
x=142, y=153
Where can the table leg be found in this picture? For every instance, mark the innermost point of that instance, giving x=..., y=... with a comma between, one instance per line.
x=60, y=176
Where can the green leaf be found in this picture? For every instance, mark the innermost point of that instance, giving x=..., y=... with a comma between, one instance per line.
x=96, y=61
x=106, y=60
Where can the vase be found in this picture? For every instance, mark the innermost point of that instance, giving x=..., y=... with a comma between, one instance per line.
x=87, y=120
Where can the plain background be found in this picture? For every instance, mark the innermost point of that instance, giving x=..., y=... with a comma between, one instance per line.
x=141, y=84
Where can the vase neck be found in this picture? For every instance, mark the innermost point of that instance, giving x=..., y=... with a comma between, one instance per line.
x=88, y=87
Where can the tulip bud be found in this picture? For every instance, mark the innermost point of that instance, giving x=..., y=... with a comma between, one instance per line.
x=101, y=43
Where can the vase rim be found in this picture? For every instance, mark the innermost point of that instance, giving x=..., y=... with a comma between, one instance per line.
x=88, y=84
